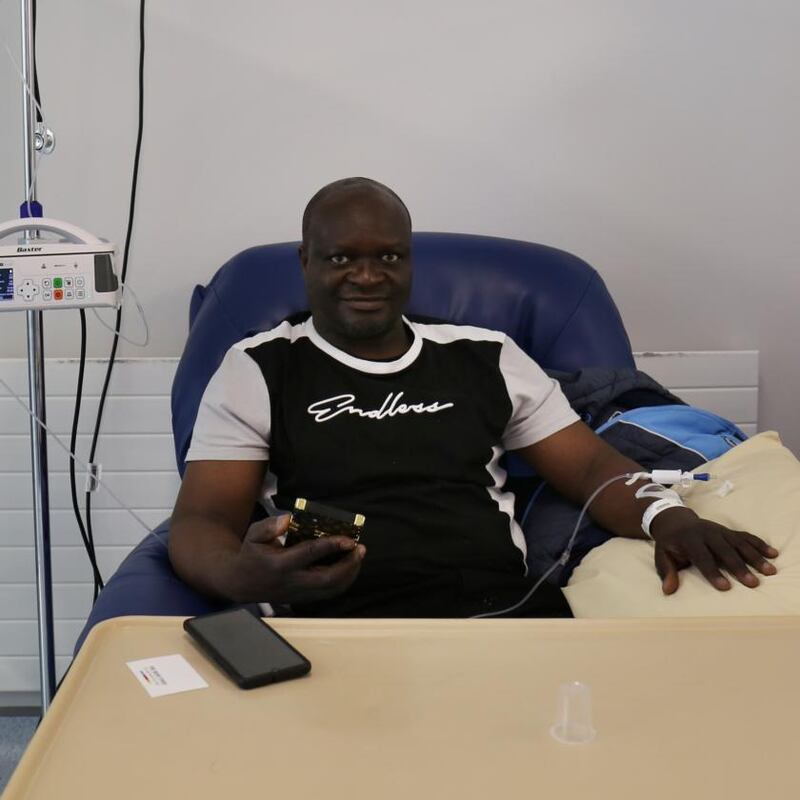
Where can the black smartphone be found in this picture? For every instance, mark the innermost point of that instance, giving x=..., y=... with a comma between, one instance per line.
x=248, y=650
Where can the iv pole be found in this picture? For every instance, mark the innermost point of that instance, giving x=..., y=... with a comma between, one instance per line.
x=36, y=391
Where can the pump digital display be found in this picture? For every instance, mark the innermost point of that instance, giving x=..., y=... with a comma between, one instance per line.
x=6, y=283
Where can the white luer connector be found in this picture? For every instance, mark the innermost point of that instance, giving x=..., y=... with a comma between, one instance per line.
x=667, y=477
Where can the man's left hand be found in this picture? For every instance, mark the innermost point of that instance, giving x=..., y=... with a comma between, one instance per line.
x=682, y=538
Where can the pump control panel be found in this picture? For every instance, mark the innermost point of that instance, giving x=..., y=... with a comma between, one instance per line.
x=37, y=276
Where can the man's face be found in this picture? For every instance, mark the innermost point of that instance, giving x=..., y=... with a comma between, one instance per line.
x=357, y=271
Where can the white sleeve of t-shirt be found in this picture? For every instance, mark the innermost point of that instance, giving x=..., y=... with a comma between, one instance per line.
x=539, y=407
x=233, y=421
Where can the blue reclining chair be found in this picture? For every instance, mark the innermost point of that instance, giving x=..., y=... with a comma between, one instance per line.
x=555, y=306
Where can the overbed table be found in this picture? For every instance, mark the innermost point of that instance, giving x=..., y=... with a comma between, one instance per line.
x=700, y=708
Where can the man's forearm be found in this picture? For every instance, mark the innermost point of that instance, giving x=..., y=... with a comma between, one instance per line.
x=576, y=463
x=203, y=552
x=616, y=508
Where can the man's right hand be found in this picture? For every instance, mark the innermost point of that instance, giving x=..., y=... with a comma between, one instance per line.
x=264, y=569
x=213, y=550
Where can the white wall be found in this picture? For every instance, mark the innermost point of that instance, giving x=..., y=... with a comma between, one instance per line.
x=657, y=140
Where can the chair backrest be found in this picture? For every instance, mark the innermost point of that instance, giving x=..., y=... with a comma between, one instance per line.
x=554, y=305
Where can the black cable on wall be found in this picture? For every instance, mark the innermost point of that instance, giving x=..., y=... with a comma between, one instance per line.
x=98, y=580
x=126, y=253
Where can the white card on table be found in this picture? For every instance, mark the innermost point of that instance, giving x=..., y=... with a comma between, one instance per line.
x=166, y=675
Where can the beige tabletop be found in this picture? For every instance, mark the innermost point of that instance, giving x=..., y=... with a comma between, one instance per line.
x=435, y=709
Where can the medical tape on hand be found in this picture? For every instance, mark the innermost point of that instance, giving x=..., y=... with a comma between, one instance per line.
x=657, y=491
x=664, y=499
x=656, y=508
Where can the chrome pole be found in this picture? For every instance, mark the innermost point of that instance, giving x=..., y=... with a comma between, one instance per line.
x=36, y=393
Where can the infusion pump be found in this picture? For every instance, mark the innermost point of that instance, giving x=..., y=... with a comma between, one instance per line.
x=36, y=274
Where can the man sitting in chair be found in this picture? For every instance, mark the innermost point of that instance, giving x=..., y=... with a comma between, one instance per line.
x=403, y=421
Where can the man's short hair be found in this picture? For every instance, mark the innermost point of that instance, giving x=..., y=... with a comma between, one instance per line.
x=343, y=185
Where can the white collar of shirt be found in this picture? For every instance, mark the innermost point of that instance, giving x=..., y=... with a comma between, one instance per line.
x=363, y=364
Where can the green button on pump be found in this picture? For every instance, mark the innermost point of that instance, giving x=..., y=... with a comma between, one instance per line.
x=57, y=283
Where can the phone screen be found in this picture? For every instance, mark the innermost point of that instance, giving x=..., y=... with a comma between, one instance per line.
x=247, y=648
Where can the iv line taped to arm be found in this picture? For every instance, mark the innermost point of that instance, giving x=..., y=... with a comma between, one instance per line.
x=666, y=476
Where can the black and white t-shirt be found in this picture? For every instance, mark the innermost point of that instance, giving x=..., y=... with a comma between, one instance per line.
x=412, y=444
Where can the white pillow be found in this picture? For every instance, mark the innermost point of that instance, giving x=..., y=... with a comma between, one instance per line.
x=618, y=579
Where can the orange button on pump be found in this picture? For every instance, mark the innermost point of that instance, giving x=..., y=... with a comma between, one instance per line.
x=58, y=294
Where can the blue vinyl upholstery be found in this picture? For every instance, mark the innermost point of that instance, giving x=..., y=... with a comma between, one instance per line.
x=554, y=305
